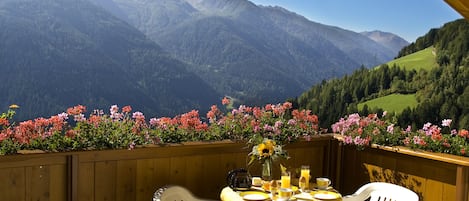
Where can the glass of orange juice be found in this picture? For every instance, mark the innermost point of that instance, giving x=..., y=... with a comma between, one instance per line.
x=285, y=179
x=305, y=173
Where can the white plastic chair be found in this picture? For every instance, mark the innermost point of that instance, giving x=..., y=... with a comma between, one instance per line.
x=380, y=191
x=174, y=193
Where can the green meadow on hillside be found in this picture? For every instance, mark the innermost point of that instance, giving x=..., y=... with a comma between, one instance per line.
x=424, y=59
x=391, y=103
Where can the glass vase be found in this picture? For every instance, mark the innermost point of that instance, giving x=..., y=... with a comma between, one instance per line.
x=267, y=169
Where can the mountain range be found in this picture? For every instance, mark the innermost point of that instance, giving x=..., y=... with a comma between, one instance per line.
x=168, y=56
x=251, y=52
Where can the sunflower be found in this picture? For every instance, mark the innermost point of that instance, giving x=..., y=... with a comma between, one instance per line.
x=266, y=149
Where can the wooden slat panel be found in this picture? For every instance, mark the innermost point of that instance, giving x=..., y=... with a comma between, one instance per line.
x=219, y=171
x=194, y=173
x=408, y=175
x=105, y=180
x=385, y=161
x=126, y=180
x=58, y=182
x=86, y=185
x=434, y=191
x=229, y=161
x=145, y=178
x=162, y=167
x=39, y=182
x=151, y=175
x=416, y=184
x=449, y=191
x=12, y=185
x=178, y=170
x=348, y=183
x=314, y=157
x=214, y=171
x=28, y=183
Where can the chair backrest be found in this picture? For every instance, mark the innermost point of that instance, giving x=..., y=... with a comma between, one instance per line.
x=380, y=191
x=174, y=193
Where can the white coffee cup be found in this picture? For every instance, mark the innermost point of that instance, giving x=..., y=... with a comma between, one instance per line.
x=323, y=183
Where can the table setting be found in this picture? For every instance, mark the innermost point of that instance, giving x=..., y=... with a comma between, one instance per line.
x=242, y=186
x=257, y=189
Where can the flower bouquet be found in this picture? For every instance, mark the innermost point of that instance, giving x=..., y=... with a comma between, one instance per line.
x=266, y=151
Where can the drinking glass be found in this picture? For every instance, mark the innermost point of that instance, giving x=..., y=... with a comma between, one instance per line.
x=285, y=194
x=305, y=174
x=285, y=180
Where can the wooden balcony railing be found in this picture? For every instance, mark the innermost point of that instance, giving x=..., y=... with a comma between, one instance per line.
x=202, y=168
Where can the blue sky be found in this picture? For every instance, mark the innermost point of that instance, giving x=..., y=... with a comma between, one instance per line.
x=409, y=19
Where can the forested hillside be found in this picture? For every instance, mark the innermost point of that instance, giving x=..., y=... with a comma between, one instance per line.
x=57, y=54
x=441, y=92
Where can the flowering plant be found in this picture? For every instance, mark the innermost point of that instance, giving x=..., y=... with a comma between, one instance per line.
x=434, y=138
x=364, y=131
x=278, y=122
x=266, y=128
x=7, y=145
x=123, y=129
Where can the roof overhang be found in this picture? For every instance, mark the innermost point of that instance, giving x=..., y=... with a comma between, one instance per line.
x=462, y=6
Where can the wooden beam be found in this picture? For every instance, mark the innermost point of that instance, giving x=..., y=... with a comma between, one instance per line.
x=461, y=6
x=462, y=183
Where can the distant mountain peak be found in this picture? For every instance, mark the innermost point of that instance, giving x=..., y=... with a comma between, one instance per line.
x=222, y=8
x=387, y=39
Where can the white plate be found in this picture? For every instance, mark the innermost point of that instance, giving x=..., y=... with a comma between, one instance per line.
x=325, y=196
x=304, y=196
x=255, y=196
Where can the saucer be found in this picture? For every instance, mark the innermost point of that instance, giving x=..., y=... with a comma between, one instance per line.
x=323, y=189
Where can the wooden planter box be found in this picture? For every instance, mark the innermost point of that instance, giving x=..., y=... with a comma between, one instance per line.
x=135, y=175
x=433, y=176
